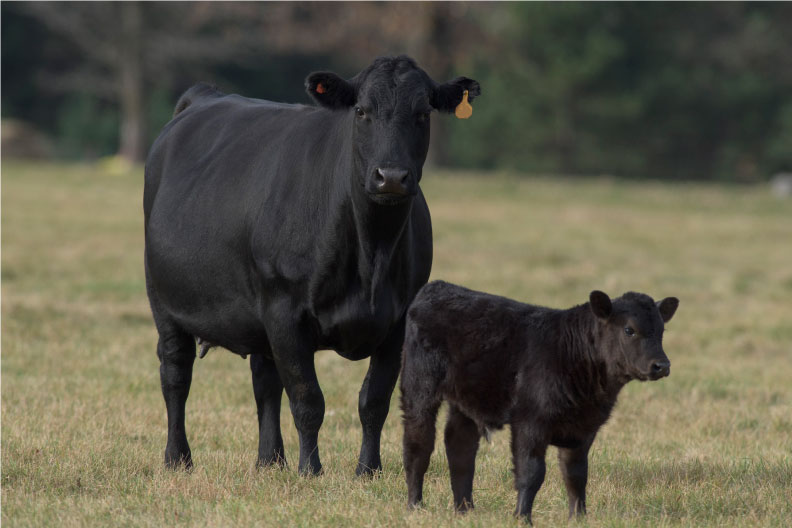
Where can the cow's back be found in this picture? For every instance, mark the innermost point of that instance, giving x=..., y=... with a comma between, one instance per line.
x=209, y=175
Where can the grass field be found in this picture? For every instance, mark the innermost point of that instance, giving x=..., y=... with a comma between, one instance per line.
x=83, y=420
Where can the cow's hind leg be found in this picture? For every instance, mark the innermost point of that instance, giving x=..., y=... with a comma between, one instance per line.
x=374, y=399
x=268, y=390
x=176, y=351
x=461, y=442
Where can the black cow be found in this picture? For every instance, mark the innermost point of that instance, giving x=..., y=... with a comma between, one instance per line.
x=276, y=230
x=553, y=375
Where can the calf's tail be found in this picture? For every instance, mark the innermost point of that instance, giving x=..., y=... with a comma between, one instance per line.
x=422, y=374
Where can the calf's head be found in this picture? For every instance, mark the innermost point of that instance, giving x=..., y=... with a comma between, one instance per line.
x=388, y=107
x=631, y=333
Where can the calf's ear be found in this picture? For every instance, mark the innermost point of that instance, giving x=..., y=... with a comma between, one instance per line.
x=601, y=304
x=330, y=90
x=667, y=307
x=446, y=97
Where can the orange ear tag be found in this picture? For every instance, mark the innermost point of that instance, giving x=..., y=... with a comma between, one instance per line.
x=463, y=109
x=320, y=89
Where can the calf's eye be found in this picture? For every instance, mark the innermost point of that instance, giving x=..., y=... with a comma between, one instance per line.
x=359, y=112
x=423, y=117
x=629, y=331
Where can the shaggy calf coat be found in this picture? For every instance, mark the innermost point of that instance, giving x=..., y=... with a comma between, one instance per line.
x=552, y=375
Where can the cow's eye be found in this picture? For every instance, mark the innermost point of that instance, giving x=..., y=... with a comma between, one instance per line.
x=629, y=332
x=359, y=112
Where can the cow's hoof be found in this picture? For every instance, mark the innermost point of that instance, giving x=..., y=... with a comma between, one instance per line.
x=277, y=461
x=310, y=471
x=179, y=461
x=363, y=470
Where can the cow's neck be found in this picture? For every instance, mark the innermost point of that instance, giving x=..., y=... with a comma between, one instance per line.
x=379, y=230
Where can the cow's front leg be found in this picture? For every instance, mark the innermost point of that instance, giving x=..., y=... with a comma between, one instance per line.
x=294, y=357
x=176, y=351
x=529, y=467
x=574, y=468
x=268, y=390
x=375, y=396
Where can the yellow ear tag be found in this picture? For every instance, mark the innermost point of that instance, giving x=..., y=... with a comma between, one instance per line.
x=463, y=109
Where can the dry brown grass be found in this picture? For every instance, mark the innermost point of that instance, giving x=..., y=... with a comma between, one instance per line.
x=83, y=422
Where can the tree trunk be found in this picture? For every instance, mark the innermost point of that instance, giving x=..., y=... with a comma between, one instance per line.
x=131, y=87
x=437, y=64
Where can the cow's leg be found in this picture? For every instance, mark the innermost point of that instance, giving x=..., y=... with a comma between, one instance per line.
x=268, y=390
x=574, y=468
x=529, y=467
x=293, y=354
x=418, y=444
x=461, y=442
x=375, y=396
x=176, y=351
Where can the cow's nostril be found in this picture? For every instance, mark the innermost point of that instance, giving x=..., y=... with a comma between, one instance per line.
x=391, y=179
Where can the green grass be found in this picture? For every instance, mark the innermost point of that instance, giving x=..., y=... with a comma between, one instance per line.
x=83, y=421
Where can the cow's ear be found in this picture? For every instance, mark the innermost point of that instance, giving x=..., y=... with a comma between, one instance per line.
x=446, y=97
x=601, y=304
x=668, y=307
x=330, y=90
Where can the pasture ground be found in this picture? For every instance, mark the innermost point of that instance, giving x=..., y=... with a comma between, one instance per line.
x=83, y=420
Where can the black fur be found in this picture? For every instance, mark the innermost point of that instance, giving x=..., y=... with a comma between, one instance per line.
x=276, y=230
x=447, y=96
x=553, y=375
x=337, y=93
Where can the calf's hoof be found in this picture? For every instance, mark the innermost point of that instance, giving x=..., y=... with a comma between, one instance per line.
x=464, y=506
x=525, y=517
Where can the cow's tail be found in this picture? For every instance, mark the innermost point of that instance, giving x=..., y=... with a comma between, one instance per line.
x=194, y=93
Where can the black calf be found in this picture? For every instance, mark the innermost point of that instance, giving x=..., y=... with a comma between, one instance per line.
x=553, y=375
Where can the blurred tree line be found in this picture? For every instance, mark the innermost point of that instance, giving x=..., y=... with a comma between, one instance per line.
x=665, y=90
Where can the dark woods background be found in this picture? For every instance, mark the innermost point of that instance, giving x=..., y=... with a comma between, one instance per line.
x=661, y=90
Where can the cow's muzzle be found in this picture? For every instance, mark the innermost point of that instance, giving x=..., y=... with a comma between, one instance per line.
x=392, y=181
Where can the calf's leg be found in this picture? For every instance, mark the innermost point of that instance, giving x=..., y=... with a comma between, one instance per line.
x=529, y=467
x=422, y=372
x=461, y=442
x=419, y=437
x=374, y=399
x=176, y=351
x=573, y=463
x=268, y=390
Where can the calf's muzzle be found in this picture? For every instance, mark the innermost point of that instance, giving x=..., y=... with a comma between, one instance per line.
x=659, y=369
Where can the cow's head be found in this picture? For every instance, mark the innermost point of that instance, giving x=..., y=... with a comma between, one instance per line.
x=388, y=107
x=631, y=333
